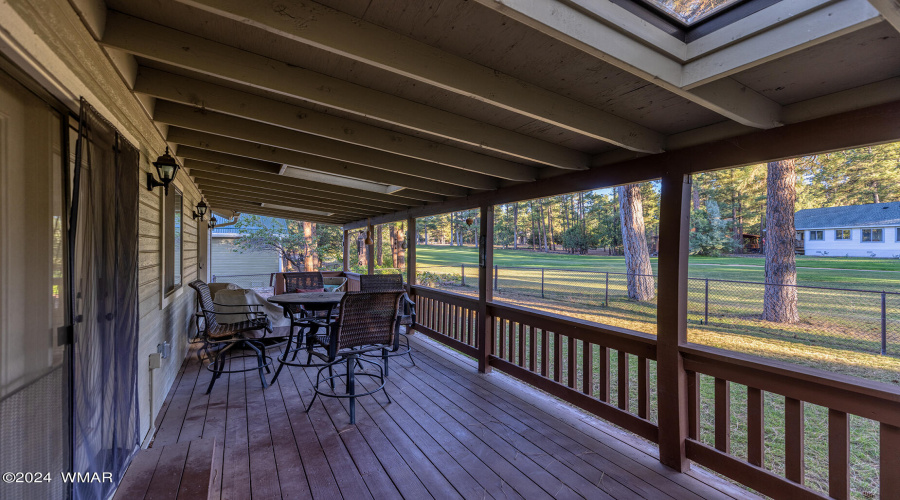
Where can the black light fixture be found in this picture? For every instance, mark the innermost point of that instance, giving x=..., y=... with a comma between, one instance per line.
x=212, y=223
x=166, y=168
x=201, y=210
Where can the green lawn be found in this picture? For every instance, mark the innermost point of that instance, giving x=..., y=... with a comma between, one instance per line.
x=858, y=273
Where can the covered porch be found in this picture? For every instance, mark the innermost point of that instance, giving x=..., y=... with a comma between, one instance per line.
x=355, y=114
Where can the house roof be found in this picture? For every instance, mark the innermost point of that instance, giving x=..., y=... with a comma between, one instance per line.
x=873, y=214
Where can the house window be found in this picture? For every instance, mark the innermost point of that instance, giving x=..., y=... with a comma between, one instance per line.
x=842, y=234
x=816, y=235
x=872, y=235
x=174, y=230
x=898, y=234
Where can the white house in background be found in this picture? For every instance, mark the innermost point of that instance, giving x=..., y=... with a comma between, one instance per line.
x=871, y=230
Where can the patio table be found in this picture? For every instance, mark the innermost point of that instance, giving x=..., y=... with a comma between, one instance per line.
x=305, y=304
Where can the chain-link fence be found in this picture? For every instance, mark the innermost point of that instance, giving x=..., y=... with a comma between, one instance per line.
x=863, y=320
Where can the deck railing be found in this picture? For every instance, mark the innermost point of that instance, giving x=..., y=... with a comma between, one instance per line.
x=576, y=361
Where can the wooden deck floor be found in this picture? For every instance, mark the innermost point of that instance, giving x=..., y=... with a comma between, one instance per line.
x=449, y=433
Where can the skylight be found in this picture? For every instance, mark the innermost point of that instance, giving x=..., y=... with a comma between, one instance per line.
x=689, y=12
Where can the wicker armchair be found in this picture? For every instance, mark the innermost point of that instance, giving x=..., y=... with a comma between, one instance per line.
x=367, y=322
x=231, y=335
x=406, y=310
x=294, y=282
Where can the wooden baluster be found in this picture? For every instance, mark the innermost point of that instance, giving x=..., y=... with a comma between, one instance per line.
x=890, y=461
x=452, y=316
x=557, y=357
x=603, y=374
x=532, y=349
x=587, y=368
x=756, y=426
x=839, y=455
x=643, y=387
x=793, y=440
x=521, y=333
x=545, y=353
x=693, y=392
x=624, y=381
x=502, y=352
x=723, y=415
x=468, y=326
x=570, y=364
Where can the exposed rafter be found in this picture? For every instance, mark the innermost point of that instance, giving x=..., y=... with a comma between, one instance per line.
x=346, y=36
x=204, y=95
x=316, y=163
x=271, y=180
x=262, y=133
x=576, y=27
x=890, y=10
x=183, y=50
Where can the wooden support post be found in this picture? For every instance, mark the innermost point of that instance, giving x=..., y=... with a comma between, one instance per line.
x=671, y=378
x=346, y=255
x=370, y=250
x=410, y=252
x=485, y=287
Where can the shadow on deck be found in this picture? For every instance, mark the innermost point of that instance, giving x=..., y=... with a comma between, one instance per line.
x=449, y=433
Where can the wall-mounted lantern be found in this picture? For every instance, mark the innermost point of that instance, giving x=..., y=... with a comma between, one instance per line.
x=201, y=210
x=166, y=168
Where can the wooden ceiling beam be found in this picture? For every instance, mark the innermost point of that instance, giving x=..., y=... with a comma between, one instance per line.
x=274, y=181
x=238, y=147
x=873, y=125
x=343, y=35
x=890, y=10
x=183, y=50
x=212, y=122
x=579, y=27
x=251, y=196
x=337, y=205
x=204, y=95
x=255, y=209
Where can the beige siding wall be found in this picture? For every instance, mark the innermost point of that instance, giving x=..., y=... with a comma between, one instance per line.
x=51, y=43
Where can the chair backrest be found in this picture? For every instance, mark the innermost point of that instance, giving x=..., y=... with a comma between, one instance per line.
x=380, y=282
x=204, y=298
x=303, y=281
x=367, y=318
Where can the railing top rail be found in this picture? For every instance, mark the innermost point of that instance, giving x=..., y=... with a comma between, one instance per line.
x=634, y=342
x=454, y=298
x=870, y=399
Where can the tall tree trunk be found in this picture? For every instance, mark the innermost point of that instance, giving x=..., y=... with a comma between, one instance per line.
x=361, y=250
x=379, y=252
x=695, y=193
x=401, y=253
x=533, y=234
x=516, y=226
x=875, y=198
x=550, y=225
x=394, y=246
x=310, y=243
x=637, y=258
x=780, y=299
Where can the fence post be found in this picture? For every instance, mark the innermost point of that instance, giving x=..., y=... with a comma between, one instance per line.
x=496, y=269
x=463, y=266
x=606, y=295
x=542, y=282
x=883, y=323
x=706, y=304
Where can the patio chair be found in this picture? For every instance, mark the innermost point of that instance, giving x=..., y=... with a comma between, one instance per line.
x=300, y=283
x=231, y=335
x=367, y=322
x=393, y=282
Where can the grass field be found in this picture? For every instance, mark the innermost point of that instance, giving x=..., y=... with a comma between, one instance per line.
x=734, y=326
